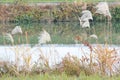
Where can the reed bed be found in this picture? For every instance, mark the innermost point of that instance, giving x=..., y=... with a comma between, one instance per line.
x=102, y=60
x=99, y=62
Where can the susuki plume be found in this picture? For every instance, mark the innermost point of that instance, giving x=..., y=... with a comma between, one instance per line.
x=102, y=8
x=17, y=30
x=84, y=23
x=84, y=19
x=94, y=36
x=44, y=37
x=86, y=15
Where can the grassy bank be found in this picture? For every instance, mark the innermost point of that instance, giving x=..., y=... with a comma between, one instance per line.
x=91, y=66
x=58, y=77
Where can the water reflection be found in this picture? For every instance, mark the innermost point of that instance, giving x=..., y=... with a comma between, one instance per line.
x=64, y=32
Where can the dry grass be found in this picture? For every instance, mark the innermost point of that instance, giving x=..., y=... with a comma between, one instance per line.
x=102, y=60
x=72, y=65
x=106, y=59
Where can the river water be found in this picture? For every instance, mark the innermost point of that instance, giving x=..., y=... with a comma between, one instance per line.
x=53, y=53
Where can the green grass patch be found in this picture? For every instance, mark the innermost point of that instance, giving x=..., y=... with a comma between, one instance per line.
x=58, y=77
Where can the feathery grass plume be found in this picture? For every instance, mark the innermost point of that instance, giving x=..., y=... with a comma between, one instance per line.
x=86, y=15
x=85, y=23
x=9, y=37
x=102, y=8
x=44, y=37
x=84, y=19
x=17, y=30
x=93, y=36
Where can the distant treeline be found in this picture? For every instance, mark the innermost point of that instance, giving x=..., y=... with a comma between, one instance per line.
x=25, y=13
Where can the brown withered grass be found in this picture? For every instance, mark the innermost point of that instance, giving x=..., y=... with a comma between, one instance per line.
x=106, y=58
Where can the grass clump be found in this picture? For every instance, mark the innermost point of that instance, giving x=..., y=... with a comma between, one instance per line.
x=107, y=59
x=72, y=66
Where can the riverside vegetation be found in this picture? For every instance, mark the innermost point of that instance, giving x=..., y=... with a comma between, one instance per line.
x=24, y=12
x=94, y=66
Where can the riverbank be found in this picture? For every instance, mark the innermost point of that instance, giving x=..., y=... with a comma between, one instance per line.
x=52, y=59
x=58, y=77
